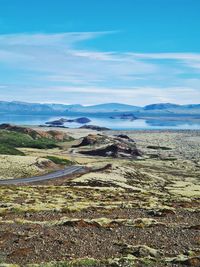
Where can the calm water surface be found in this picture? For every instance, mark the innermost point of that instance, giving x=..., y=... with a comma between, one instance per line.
x=117, y=124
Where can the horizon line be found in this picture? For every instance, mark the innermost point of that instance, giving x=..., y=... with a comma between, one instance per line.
x=116, y=103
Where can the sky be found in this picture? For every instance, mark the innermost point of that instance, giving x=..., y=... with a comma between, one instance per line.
x=89, y=52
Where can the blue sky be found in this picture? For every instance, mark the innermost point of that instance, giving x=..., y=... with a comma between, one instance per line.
x=130, y=51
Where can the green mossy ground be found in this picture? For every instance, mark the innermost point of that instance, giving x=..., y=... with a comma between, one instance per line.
x=60, y=161
x=6, y=149
x=133, y=214
x=11, y=140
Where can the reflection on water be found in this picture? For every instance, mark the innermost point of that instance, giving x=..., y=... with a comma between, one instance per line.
x=117, y=123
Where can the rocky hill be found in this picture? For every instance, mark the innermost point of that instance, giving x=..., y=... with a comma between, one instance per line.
x=13, y=137
x=108, y=146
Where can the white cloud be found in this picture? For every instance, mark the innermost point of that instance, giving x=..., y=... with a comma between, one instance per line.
x=180, y=56
x=43, y=39
x=190, y=59
x=7, y=56
x=55, y=53
x=54, y=66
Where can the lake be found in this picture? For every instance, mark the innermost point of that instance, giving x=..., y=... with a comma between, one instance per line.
x=116, y=124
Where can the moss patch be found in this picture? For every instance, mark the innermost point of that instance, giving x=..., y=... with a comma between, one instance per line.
x=61, y=161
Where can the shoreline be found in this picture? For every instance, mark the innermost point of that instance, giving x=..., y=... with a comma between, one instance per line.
x=108, y=131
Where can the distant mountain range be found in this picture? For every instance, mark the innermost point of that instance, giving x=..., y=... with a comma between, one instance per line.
x=159, y=109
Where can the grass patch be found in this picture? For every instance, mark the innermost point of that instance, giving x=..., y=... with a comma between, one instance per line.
x=60, y=161
x=11, y=140
x=9, y=150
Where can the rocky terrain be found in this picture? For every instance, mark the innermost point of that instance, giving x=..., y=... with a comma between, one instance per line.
x=127, y=210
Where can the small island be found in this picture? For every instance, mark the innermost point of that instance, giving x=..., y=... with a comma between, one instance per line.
x=94, y=127
x=61, y=122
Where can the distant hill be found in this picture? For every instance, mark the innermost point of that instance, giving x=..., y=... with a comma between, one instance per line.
x=110, y=107
x=24, y=108
x=169, y=108
x=161, y=106
x=35, y=108
x=157, y=109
